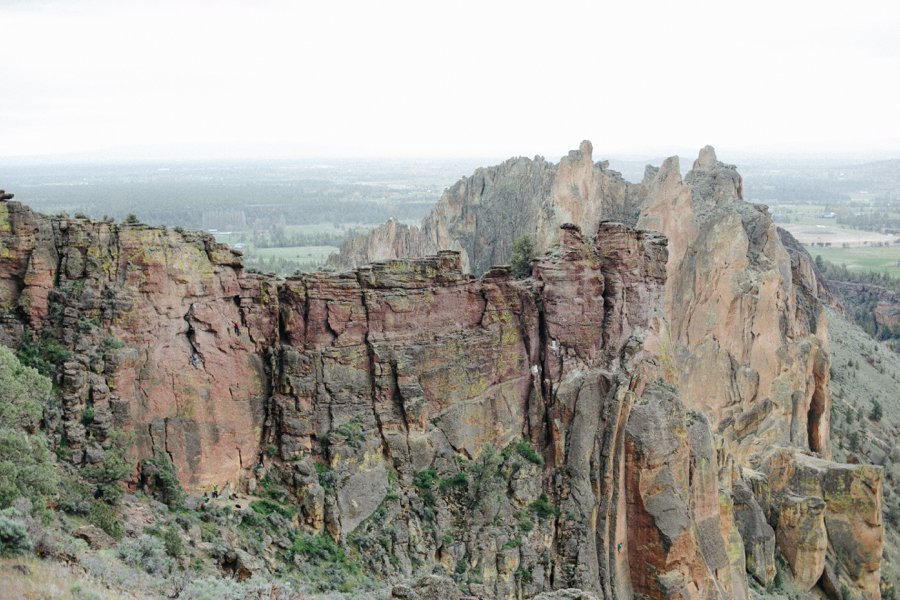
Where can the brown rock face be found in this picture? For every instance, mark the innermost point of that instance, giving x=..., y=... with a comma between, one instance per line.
x=590, y=427
x=147, y=314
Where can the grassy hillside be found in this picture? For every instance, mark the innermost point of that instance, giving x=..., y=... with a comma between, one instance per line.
x=866, y=374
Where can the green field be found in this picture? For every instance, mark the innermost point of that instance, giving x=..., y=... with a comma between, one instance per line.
x=298, y=253
x=885, y=259
x=286, y=260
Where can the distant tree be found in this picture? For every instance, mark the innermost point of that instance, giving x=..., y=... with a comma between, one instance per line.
x=853, y=441
x=877, y=412
x=520, y=258
x=132, y=219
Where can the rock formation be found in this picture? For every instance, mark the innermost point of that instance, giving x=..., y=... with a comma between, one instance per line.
x=480, y=216
x=645, y=416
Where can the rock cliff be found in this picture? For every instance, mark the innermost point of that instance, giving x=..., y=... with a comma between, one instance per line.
x=645, y=416
x=480, y=216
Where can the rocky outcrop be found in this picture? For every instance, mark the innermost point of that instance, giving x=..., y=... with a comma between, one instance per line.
x=644, y=415
x=879, y=302
x=747, y=349
x=756, y=534
x=825, y=510
x=480, y=216
x=742, y=301
x=145, y=315
x=400, y=398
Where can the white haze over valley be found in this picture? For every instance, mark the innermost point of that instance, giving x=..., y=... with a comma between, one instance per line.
x=100, y=80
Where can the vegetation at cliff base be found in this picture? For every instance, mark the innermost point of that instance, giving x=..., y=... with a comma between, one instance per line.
x=26, y=469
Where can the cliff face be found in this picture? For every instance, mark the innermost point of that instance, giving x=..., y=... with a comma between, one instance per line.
x=748, y=336
x=164, y=297
x=480, y=216
x=637, y=418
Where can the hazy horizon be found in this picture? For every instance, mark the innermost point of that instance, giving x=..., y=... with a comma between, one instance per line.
x=103, y=80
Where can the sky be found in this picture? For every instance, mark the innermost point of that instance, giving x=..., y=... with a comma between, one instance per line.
x=440, y=79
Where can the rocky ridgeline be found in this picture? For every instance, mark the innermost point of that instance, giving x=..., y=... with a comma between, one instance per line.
x=480, y=216
x=641, y=417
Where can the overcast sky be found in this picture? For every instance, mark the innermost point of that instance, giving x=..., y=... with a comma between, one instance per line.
x=460, y=78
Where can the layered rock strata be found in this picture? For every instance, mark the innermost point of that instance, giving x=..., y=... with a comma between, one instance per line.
x=745, y=338
x=637, y=419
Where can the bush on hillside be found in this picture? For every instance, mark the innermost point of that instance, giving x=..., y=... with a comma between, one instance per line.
x=25, y=468
x=23, y=392
x=158, y=479
x=13, y=534
x=147, y=553
x=112, y=469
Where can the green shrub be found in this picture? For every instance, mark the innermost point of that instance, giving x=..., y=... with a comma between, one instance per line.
x=521, y=255
x=424, y=482
x=26, y=469
x=543, y=509
x=172, y=542
x=106, y=518
x=327, y=566
x=318, y=548
x=326, y=477
x=523, y=518
x=13, y=534
x=485, y=473
x=251, y=518
x=85, y=325
x=44, y=354
x=112, y=469
x=75, y=495
x=893, y=516
x=23, y=392
x=525, y=450
x=877, y=411
x=158, y=479
x=111, y=343
x=461, y=566
x=146, y=553
x=87, y=417
x=778, y=580
x=853, y=441
x=457, y=480
x=266, y=507
x=352, y=432
x=272, y=486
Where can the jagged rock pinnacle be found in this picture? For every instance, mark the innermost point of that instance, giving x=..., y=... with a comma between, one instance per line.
x=586, y=148
x=706, y=161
